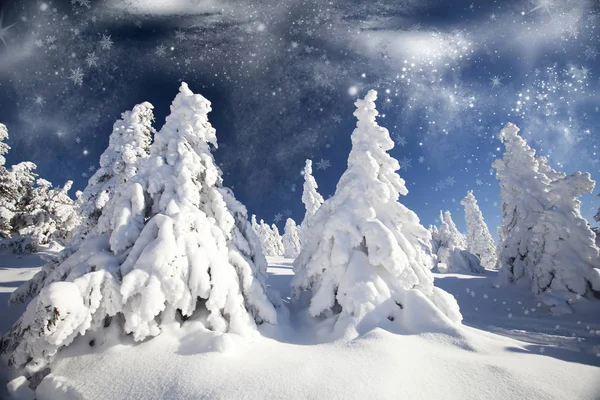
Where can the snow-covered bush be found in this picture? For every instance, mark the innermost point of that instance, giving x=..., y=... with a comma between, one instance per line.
x=479, y=239
x=367, y=258
x=452, y=253
x=311, y=198
x=544, y=241
x=173, y=242
x=291, y=239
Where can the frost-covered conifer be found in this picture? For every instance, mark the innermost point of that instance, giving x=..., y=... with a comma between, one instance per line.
x=543, y=238
x=129, y=143
x=311, y=198
x=479, y=239
x=291, y=239
x=366, y=258
x=270, y=239
x=277, y=239
x=452, y=253
x=173, y=241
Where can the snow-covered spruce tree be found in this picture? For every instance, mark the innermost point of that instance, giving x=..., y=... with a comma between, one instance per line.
x=544, y=241
x=129, y=143
x=452, y=253
x=270, y=239
x=291, y=239
x=278, y=240
x=479, y=239
x=174, y=242
x=46, y=214
x=366, y=258
x=311, y=198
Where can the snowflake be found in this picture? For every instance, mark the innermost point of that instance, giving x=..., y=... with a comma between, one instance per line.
x=509, y=315
x=83, y=3
x=85, y=175
x=287, y=212
x=38, y=43
x=38, y=101
x=76, y=76
x=337, y=119
x=450, y=181
x=590, y=53
x=526, y=312
x=187, y=61
x=441, y=185
x=50, y=39
x=496, y=81
x=137, y=24
x=400, y=140
x=478, y=182
x=91, y=59
x=91, y=168
x=421, y=159
x=557, y=327
x=323, y=164
x=106, y=42
x=77, y=139
x=542, y=350
x=277, y=218
x=405, y=163
x=485, y=296
x=160, y=50
x=180, y=35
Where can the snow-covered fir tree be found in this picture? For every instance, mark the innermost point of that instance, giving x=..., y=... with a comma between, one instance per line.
x=173, y=242
x=367, y=258
x=270, y=240
x=479, y=239
x=129, y=143
x=452, y=253
x=291, y=239
x=311, y=198
x=543, y=240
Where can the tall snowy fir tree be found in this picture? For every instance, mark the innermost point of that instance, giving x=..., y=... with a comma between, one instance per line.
x=291, y=239
x=311, y=198
x=452, y=253
x=479, y=239
x=366, y=258
x=544, y=240
x=129, y=143
x=174, y=242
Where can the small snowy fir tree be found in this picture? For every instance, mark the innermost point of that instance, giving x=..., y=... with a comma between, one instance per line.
x=291, y=239
x=174, y=242
x=452, y=253
x=129, y=143
x=269, y=237
x=544, y=240
x=367, y=259
x=277, y=239
x=311, y=198
x=479, y=239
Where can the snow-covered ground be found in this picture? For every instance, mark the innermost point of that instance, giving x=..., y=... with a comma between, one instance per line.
x=508, y=348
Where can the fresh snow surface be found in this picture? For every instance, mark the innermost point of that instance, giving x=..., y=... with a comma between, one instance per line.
x=508, y=348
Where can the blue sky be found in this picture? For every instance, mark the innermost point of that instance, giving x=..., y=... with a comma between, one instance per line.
x=283, y=76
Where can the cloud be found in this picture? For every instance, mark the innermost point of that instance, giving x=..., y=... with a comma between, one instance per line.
x=166, y=7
